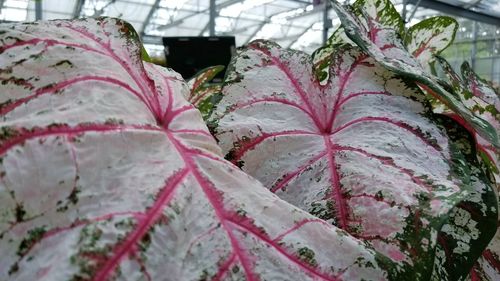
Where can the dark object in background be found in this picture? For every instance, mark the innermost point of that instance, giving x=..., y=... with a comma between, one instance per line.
x=188, y=55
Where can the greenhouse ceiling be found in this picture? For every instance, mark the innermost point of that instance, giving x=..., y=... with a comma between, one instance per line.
x=298, y=24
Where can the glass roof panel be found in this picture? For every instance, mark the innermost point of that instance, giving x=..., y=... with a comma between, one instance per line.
x=296, y=23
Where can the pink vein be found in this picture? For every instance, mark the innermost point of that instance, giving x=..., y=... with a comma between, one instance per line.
x=350, y=96
x=295, y=84
x=166, y=194
x=79, y=223
x=51, y=42
x=212, y=197
x=290, y=257
x=422, y=47
x=342, y=213
x=66, y=130
x=225, y=267
x=289, y=176
x=388, y=162
x=197, y=238
x=171, y=115
x=488, y=255
x=127, y=67
x=399, y=124
x=257, y=140
x=276, y=100
x=297, y=226
x=344, y=79
x=67, y=83
x=166, y=82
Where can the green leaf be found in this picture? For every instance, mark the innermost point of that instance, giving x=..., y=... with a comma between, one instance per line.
x=144, y=55
x=204, y=95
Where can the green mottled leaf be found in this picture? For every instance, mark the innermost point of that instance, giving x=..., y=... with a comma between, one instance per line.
x=429, y=37
x=479, y=97
x=472, y=223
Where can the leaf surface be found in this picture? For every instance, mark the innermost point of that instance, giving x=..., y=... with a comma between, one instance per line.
x=362, y=152
x=481, y=98
x=107, y=172
x=385, y=45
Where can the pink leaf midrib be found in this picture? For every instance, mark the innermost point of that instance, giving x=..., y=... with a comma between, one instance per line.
x=342, y=210
x=218, y=208
x=344, y=78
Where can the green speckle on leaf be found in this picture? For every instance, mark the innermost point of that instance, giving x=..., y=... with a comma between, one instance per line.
x=14, y=268
x=307, y=255
x=63, y=63
x=7, y=132
x=20, y=213
x=34, y=236
x=114, y=121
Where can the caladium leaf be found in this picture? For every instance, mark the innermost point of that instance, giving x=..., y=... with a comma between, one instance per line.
x=204, y=95
x=479, y=97
x=429, y=37
x=362, y=152
x=107, y=172
x=382, y=10
x=455, y=254
x=386, y=46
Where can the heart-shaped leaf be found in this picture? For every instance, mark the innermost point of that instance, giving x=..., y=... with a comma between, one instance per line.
x=362, y=152
x=386, y=46
x=107, y=172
